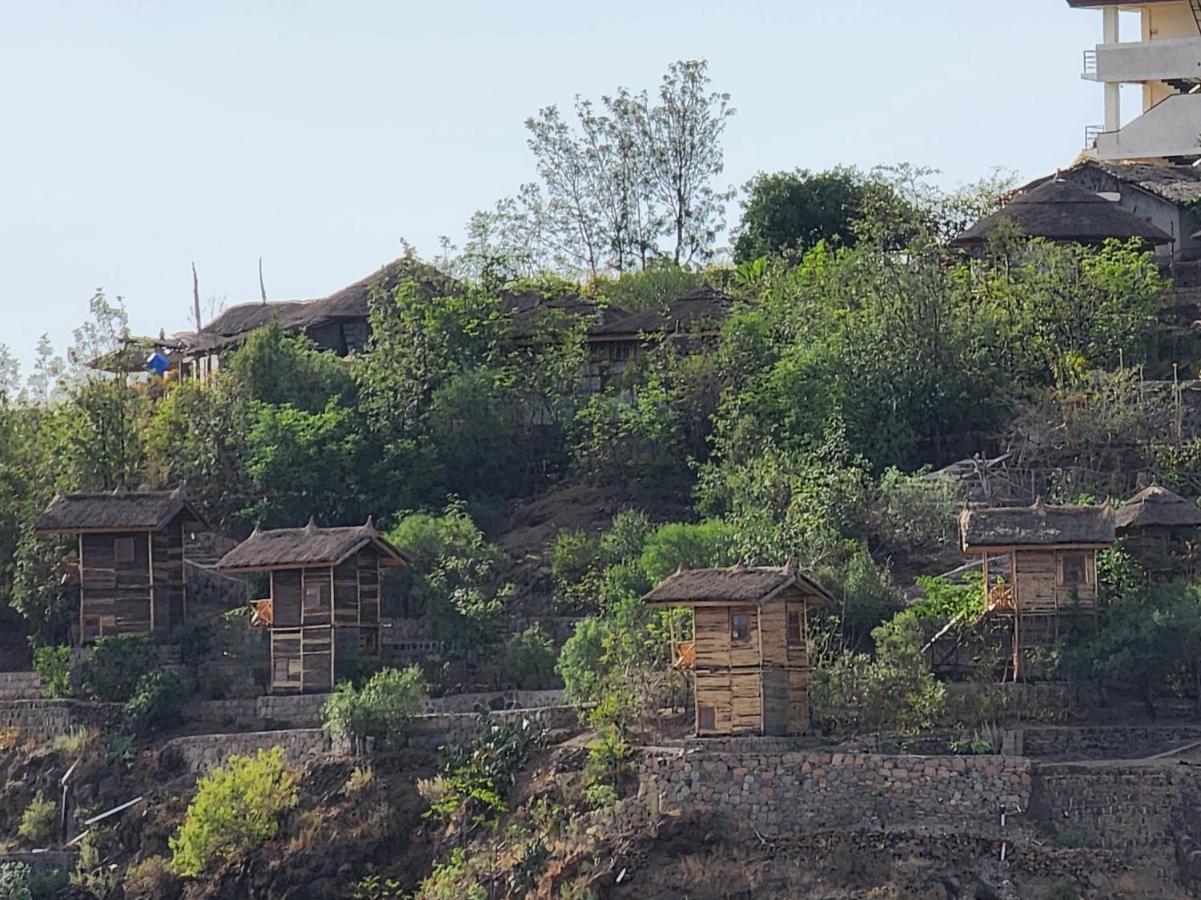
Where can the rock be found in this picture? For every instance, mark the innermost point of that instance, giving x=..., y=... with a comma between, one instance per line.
x=985, y=891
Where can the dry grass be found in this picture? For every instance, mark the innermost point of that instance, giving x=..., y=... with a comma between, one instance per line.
x=75, y=741
x=10, y=739
x=360, y=779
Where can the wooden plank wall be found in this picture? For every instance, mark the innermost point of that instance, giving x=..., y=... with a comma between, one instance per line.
x=285, y=598
x=1038, y=590
x=115, y=598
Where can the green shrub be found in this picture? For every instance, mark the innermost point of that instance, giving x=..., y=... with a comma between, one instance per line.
x=117, y=662
x=373, y=887
x=475, y=779
x=380, y=709
x=14, y=881
x=53, y=665
x=528, y=660
x=157, y=701
x=455, y=879
x=236, y=808
x=39, y=820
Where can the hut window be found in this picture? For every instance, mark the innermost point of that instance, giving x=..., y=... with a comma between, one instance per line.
x=1072, y=569
x=796, y=633
x=312, y=599
x=123, y=549
x=706, y=718
x=740, y=626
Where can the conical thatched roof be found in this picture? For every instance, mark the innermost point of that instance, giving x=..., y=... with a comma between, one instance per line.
x=1157, y=505
x=1061, y=211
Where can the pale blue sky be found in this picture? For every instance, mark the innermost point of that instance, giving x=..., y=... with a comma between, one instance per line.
x=139, y=136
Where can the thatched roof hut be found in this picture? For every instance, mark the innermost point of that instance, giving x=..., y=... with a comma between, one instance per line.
x=736, y=584
x=1039, y=525
x=1058, y=210
x=117, y=511
x=1156, y=506
x=291, y=548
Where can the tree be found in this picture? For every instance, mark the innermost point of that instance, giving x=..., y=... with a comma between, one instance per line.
x=683, y=134
x=794, y=211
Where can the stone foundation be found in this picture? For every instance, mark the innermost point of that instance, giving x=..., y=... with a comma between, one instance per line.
x=1109, y=742
x=778, y=792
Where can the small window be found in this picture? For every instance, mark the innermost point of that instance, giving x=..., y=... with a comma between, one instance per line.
x=123, y=549
x=706, y=718
x=287, y=668
x=312, y=599
x=1073, y=569
x=740, y=626
x=796, y=633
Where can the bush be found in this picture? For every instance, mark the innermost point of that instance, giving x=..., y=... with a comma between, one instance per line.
x=157, y=700
x=528, y=660
x=380, y=709
x=474, y=780
x=14, y=881
x=53, y=665
x=151, y=879
x=117, y=663
x=39, y=820
x=236, y=808
x=894, y=690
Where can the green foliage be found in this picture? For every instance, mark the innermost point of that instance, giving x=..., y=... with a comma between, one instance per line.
x=118, y=662
x=53, y=665
x=690, y=546
x=280, y=368
x=157, y=701
x=477, y=777
x=373, y=887
x=455, y=574
x=894, y=690
x=793, y=211
x=913, y=512
x=944, y=600
x=39, y=822
x=236, y=808
x=455, y=879
x=380, y=709
x=14, y=881
x=528, y=660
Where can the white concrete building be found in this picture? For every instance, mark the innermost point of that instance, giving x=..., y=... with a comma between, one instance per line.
x=1165, y=59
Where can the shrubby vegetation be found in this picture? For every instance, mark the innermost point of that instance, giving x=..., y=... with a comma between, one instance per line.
x=236, y=808
x=380, y=709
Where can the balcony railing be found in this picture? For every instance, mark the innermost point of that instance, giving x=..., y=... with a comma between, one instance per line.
x=1000, y=598
x=684, y=655
x=1091, y=133
x=1090, y=63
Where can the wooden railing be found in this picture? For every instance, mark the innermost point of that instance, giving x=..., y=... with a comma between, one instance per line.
x=684, y=655
x=1000, y=598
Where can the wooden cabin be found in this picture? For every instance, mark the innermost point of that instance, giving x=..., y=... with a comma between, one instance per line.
x=132, y=577
x=1049, y=555
x=1161, y=530
x=323, y=609
x=749, y=654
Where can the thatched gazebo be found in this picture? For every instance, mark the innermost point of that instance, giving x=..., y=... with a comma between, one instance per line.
x=1161, y=530
x=1063, y=212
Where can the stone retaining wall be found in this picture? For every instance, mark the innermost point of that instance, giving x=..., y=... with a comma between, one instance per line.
x=778, y=792
x=20, y=686
x=435, y=729
x=204, y=751
x=1139, y=810
x=43, y=720
x=1108, y=742
x=464, y=703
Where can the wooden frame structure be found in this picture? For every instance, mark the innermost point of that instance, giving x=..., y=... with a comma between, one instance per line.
x=323, y=610
x=1049, y=555
x=749, y=653
x=130, y=559
x=1162, y=531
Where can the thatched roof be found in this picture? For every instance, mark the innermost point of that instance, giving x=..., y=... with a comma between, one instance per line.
x=119, y=511
x=1037, y=525
x=1176, y=184
x=1058, y=210
x=284, y=548
x=737, y=584
x=1156, y=505
x=349, y=304
x=703, y=308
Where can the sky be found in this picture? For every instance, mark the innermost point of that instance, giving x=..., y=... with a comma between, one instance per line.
x=138, y=137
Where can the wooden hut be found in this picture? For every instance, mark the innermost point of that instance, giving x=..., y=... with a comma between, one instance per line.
x=749, y=652
x=1050, y=556
x=132, y=576
x=1060, y=211
x=323, y=610
x=1161, y=530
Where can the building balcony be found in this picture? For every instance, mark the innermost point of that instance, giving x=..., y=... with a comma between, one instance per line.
x=1177, y=60
x=1171, y=128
